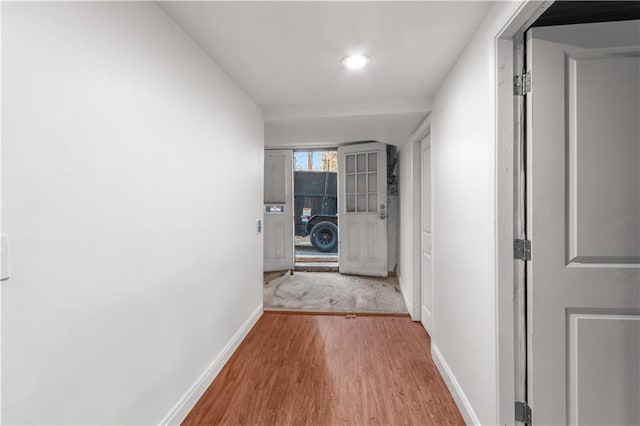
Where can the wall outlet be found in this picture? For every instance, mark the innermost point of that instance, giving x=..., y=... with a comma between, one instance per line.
x=4, y=255
x=259, y=226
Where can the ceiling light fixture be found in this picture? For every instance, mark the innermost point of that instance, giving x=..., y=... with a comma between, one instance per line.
x=355, y=62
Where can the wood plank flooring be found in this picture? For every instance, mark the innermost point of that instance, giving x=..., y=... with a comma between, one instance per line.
x=329, y=370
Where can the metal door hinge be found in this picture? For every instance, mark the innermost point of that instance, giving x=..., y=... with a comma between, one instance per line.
x=522, y=249
x=523, y=412
x=522, y=84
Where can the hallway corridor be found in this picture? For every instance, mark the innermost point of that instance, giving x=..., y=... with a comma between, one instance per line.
x=329, y=370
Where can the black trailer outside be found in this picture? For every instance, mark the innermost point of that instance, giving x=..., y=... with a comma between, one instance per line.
x=317, y=191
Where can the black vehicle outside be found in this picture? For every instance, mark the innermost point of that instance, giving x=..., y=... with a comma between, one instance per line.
x=316, y=208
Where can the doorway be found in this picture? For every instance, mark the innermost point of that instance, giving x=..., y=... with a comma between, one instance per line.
x=315, y=209
x=320, y=279
x=575, y=297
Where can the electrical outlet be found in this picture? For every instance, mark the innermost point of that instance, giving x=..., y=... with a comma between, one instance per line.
x=259, y=226
x=4, y=255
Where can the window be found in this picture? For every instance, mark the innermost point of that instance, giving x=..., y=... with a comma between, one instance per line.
x=362, y=182
x=316, y=161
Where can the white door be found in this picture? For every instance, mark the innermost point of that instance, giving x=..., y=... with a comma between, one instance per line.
x=362, y=209
x=278, y=210
x=425, y=230
x=583, y=205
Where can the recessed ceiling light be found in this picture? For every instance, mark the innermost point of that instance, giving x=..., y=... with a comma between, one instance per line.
x=354, y=62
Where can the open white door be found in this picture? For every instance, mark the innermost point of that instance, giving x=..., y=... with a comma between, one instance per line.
x=583, y=220
x=426, y=266
x=278, y=210
x=362, y=209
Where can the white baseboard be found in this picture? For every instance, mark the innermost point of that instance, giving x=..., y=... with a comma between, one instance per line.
x=426, y=320
x=462, y=402
x=179, y=411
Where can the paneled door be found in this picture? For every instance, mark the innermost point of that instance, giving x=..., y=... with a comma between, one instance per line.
x=278, y=210
x=583, y=220
x=426, y=263
x=362, y=209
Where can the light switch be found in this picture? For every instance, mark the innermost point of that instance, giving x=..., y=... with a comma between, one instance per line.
x=4, y=255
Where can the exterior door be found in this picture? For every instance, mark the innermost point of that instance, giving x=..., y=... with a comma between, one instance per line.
x=583, y=220
x=278, y=210
x=362, y=209
x=426, y=263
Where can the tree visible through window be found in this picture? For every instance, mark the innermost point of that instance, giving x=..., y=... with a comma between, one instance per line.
x=316, y=161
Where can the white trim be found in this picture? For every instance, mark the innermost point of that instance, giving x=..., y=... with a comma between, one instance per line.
x=504, y=181
x=184, y=405
x=427, y=320
x=511, y=20
x=422, y=131
x=460, y=398
x=349, y=110
x=422, y=146
x=416, y=226
x=413, y=148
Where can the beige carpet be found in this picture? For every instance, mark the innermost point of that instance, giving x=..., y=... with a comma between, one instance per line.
x=332, y=292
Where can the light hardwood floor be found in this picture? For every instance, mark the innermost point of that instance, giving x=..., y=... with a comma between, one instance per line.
x=329, y=370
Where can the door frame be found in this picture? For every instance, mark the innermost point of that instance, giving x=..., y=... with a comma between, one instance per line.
x=295, y=149
x=414, y=147
x=422, y=145
x=416, y=249
x=415, y=151
x=508, y=133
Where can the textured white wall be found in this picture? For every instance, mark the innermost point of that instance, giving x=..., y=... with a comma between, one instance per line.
x=464, y=214
x=131, y=183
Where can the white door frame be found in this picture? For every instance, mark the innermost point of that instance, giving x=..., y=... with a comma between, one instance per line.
x=426, y=315
x=415, y=146
x=509, y=28
x=416, y=249
x=414, y=150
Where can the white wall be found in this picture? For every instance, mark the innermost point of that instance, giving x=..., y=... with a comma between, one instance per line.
x=463, y=139
x=132, y=180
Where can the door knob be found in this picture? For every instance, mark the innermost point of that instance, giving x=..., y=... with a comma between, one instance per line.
x=382, y=206
x=383, y=216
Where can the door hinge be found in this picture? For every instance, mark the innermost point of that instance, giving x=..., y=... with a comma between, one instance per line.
x=522, y=249
x=522, y=84
x=523, y=412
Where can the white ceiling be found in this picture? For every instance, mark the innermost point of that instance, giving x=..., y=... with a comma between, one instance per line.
x=286, y=55
x=327, y=132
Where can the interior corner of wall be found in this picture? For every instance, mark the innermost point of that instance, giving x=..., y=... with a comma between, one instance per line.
x=406, y=293
x=181, y=409
x=459, y=396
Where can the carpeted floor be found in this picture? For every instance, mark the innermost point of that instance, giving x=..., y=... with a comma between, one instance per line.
x=332, y=292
